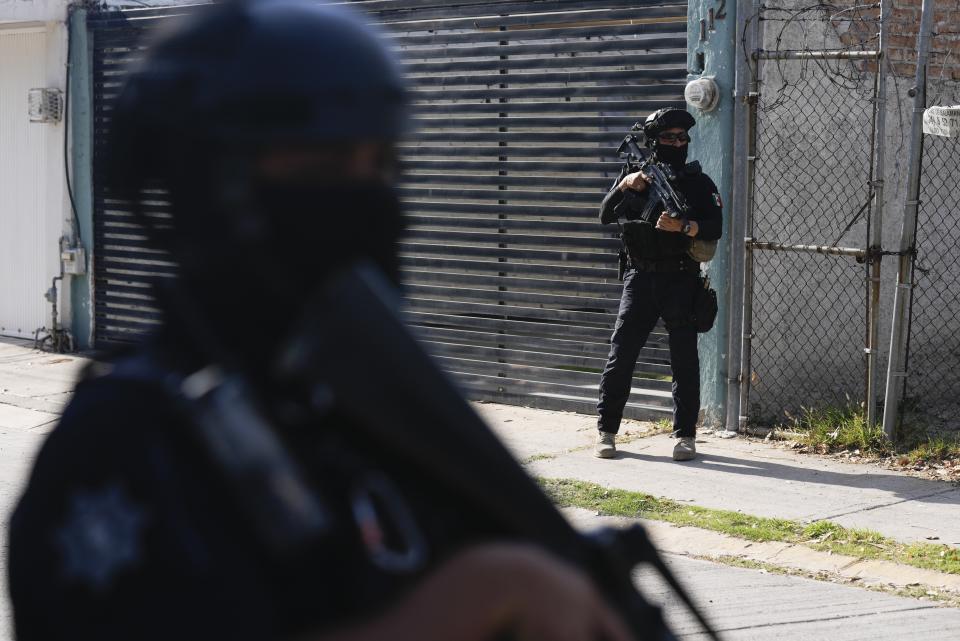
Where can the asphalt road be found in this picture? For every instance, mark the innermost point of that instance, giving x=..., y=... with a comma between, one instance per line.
x=747, y=605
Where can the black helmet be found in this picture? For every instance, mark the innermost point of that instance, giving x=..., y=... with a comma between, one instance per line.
x=214, y=100
x=246, y=73
x=666, y=118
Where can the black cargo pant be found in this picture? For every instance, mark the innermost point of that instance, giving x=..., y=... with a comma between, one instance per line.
x=646, y=297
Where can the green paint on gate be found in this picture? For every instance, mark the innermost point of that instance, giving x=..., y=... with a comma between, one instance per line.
x=81, y=159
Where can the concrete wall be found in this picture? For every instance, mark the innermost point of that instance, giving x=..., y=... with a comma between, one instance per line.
x=33, y=212
x=56, y=10
x=33, y=10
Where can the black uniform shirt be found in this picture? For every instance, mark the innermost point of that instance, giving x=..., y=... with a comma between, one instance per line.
x=702, y=197
x=127, y=531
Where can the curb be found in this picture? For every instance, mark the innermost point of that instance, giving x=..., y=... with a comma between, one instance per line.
x=695, y=542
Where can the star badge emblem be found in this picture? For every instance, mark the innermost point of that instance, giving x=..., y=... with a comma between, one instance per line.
x=101, y=536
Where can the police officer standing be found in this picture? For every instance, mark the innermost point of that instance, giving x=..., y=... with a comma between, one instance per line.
x=195, y=488
x=660, y=280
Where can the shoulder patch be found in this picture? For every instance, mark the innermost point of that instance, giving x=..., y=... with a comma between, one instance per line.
x=101, y=536
x=716, y=199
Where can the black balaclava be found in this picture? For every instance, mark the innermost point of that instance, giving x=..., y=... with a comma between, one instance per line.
x=661, y=120
x=250, y=252
x=676, y=157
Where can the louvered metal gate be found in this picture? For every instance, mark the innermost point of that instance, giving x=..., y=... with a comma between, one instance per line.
x=519, y=106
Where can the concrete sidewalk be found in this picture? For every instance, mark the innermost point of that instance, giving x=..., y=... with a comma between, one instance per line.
x=737, y=474
x=34, y=388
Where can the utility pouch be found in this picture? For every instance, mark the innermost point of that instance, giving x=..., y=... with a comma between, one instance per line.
x=702, y=251
x=642, y=240
x=704, y=306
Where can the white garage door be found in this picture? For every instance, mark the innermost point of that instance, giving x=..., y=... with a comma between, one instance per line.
x=30, y=196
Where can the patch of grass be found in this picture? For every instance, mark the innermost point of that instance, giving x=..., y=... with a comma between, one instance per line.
x=613, y=502
x=820, y=535
x=538, y=457
x=663, y=426
x=932, y=449
x=821, y=529
x=836, y=429
x=930, y=556
x=840, y=428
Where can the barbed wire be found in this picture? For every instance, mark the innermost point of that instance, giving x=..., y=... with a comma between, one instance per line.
x=845, y=73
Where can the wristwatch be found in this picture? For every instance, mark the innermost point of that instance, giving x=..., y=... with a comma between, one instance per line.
x=686, y=227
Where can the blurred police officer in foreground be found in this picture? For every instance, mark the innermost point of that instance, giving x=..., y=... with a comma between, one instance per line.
x=661, y=280
x=165, y=505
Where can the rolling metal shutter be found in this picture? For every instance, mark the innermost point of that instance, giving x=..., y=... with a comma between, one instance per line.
x=124, y=265
x=519, y=107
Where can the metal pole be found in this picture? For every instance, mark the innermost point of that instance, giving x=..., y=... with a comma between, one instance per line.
x=751, y=134
x=896, y=374
x=815, y=55
x=711, y=52
x=876, y=224
x=828, y=250
x=738, y=208
x=79, y=85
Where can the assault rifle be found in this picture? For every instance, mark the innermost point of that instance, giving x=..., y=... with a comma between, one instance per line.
x=418, y=402
x=661, y=195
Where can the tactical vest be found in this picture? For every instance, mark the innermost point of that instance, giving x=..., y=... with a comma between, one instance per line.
x=644, y=242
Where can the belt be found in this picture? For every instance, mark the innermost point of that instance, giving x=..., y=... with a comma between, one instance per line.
x=676, y=264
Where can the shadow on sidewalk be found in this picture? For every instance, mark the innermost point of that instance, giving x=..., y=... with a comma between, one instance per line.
x=906, y=487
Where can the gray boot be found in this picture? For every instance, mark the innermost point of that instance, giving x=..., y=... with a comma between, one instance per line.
x=685, y=449
x=606, y=445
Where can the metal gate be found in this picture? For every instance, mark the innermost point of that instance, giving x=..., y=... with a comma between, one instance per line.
x=510, y=280
x=813, y=239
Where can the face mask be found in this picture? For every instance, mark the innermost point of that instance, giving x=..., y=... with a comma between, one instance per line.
x=314, y=230
x=274, y=244
x=674, y=156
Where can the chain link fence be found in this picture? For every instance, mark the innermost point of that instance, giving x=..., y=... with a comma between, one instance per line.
x=811, y=217
x=824, y=156
x=932, y=396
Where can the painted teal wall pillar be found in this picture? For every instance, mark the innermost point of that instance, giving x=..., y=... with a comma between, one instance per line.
x=81, y=159
x=711, y=52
